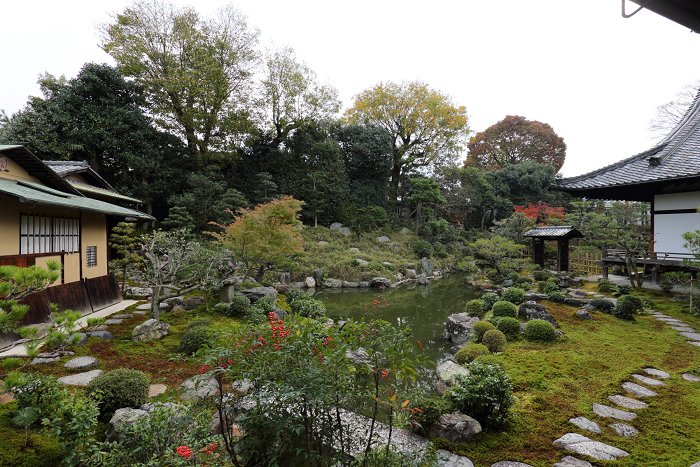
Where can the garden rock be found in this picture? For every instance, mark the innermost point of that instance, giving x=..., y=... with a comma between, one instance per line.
x=122, y=316
x=657, y=373
x=574, y=302
x=447, y=372
x=318, y=275
x=81, y=363
x=637, y=390
x=411, y=274
x=99, y=327
x=350, y=285
x=382, y=239
x=256, y=293
x=150, y=330
x=155, y=390
x=624, y=430
x=283, y=288
x=332, y=283
x=536, y=297
x=398, y=277
x=681, y=298
x=510, y=464
x=649, y=381
x=144, y=306
x=194, y=302
x=364, y=284
x=336, y=225
x=355, y=250
x=584, y=314
x=422, y=279
x=139, y=291
x=323, y=242
x=83, y=336
x=81, y=379
x=607, y=411
x=123, y=416
x=587, y=447
x=569, y=461
x=279, y=313
x=378, y=282
x=456, y=427
x=112, y=321
x=198, y=386
x=507, y=283
x=361, y=261
x=690, y=377
x=627, y=402
x=533, y=310
x=448, y=459
x=310, y=282
x=577, y=293
x=345, y=231
x=458, y=327
x=177, y=309
x=405, y=231
x=585, y=424
x=426, y=266
x=44, y=361
x=358, y=357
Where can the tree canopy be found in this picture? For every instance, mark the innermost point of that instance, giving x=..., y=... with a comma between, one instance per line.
x=514, y=140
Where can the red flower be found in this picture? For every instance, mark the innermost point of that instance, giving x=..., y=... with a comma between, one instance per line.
x=184, y=451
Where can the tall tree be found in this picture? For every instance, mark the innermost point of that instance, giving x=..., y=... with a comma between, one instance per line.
x=520, y=184
x=668, y=115
x=426, y=127
x=514, y=140
x=196, y=71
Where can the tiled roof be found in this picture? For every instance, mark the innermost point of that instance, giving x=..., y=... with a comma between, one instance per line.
x=550, y=231
x=676, y=157
x=66, y=167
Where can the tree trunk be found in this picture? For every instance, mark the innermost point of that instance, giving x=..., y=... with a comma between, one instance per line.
x=155, y=304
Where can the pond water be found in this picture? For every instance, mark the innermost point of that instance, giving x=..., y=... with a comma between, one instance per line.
x=422, y=308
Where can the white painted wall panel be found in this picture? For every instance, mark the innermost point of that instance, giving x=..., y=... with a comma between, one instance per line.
x=668, y=229
x=689, y=200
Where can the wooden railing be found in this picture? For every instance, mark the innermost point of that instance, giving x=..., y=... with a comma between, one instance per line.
x=654, y=256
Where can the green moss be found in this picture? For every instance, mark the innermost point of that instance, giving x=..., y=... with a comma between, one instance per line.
x=41, y=450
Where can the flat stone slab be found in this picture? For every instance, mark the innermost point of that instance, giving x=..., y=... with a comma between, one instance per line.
x=510, y=464
x=691, y=335
x=585, y=424
x=624, y=430
x=141, y=312
x=44, y=361
x=697, y=464
x=693, y=343
x=144, y=306
x=657, y=373
x=569, y=461
x=80, y=363
x=649, y=381
x=101, y=327
x=659, y=314
x=683, y=328
x=104, y=335
x=123, y=316
x=81, y=379
x=587, y=447
x=448, y=459
x=113, y=321
x=690, y=377
x=627, y=402
x=637, y=390
x=607, y=411
x=669, y=320
x=156, y=389
x=198, y=386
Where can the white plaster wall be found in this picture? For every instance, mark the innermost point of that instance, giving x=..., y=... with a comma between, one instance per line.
x=689, y=200
x=668, y=229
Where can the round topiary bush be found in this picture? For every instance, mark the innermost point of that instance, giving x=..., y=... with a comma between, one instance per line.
x=119, y=388
x=605, y=286
x=492, y=274
x=601, y=304
x=504, y=308
x=627, y=307
x=475, y=308
x=423, y=249
x=239, y=304
x=509, y=326
x=666, y=285
x=480, y=328
x=488, y=299
x=540, y=330
x=540, y=275
x=468, y=353
x=556, y=297
x=624, y=289
x=494, y=340
x=200, y=322
x=548, y=287
x=513, y=295
x=193, y=339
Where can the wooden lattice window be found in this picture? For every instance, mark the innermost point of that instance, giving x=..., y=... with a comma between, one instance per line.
x=48, y=234
x=91, y=256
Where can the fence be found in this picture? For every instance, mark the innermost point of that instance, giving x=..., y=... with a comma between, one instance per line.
x=583, y=262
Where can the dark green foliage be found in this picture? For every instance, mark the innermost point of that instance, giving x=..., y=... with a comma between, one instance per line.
x=540, y=330
x=606, y=286
x=308, y=307
x=523, y=280
x=601, y=304
x=40, y=393
x=260, y=310
x=193, y=339
x=480, y=328
x=556, y=297
x=489, y=360
x=666, y=285
x=624, y=289
x=519, y=184
x=503, y=308
x=468, y=353
x=494, y=340
x=541, y=275
x=423, y=249
x=548, y=287
x=488, y=299
x=627, y=307
x=119, y=388
x=200, y=322
x=486, y=394
x=475, y=308
x=239, y=304
x=431, y=408
x=524, y=286
x=295, y=293
x=509, y=326
x=646, y=301
x=513, y=295
x=512, y=275
x=41, y=451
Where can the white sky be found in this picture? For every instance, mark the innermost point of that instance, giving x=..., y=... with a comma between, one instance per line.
x=579, y=66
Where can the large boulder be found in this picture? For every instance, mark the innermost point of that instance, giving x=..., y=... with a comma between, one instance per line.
x=536, y=297
x=125, y=416
x=447, y=372
x=150, y=330
x=286, y=278
x=378, y=282
x=577, y=293
x=533, y=310
x=458, y=327
x=336, y=225
x=256, y=293
x=411, y=274
x=318, y=275
x=456, y=427
x=426, y=266
x=194, y=302
x=138, y=291
x=332, y=283
x=382, y=239
x=575, y=302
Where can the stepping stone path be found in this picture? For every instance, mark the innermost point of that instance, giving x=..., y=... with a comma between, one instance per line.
x=510, y=464
x=690, y=377
x=585, y=424
x=123, y=316
x=683, y=328
x=657, y=373
x=569, y=461
x=144, y=306
x=607, y=411
x=637, y=390
x=140, y=312
x=80, y=363
x=81, y=379
x=624, y=430
x=447, y=459
x=113, y=321
x=44, y=361
x=691, y=335
x=649, y=381
x=587, y=447
x=156, y=390
x=623, y=401
x=104, y=335
x=198, y=386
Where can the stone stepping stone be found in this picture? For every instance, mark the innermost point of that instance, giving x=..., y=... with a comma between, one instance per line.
x=624, y=430
x=623, y=401
x=683, y=328
x=81, y=363
x=198, y=386
x=101, y=327
x=693, y=343
x=156, y=389
x=669, y=320
x=649, y=381
x=607, y=411
x=587, y=447
x=104, y=335
x=637, y=390
x=510, y=464
x=691, y=335
x=690, y=377
x=585, y=424
x=44, y=361
x=448, y=459
x=659, y=314
x=144, y=306
x=140, y=312
x=81, y=379
x=123, y=316
x=697, y=464
x=569, y=461
x=113, y=321
x=657, y=373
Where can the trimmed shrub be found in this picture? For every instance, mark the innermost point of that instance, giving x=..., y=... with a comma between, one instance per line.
x=627, y=307
x=504, y=308
x=524, y=286
x=200, y=322
x=509, y=326
x=492, y=274
x=119, y=388
x=605, y=286
x=431, y=407
x=646, y=301
x=475, y=308
x=624, y=289
x=540, y=275
x=480, y=328
x=666, y=285
x=603, y=305
x=239, y=304
x=524, y=280
x=468, y=353
x=193, y=339
x=423, y=249
x=513, y=295
x=494, y=340
x=488, y=299
x=548, y=287
x=540, y=330
x=556, y=297
x=513, y=276
x=295, y=293
x=309, y=308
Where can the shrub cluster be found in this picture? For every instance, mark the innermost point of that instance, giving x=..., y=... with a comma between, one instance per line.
x=259, y=311
x=194, y=339
x=475, y=308
x=624, y=289
x=468, y=353
x=494, y=340
x=238, y=306
x=556, y=297
x=488, y=299
x=513, y=295
x=504, y=308
x=509, y=326
x=200, y=322
x=540, y=330
x=431, y=407
x=627, y=307
x=605, y=286
x=308, y=307
x=548, y=286
x=480, y=328
x=423, y=249
x=603, y=305
x=118, y=389
x=541, y=275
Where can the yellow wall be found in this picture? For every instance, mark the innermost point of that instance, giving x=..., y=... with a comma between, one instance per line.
x=41, y=261
x=94, y=233
x=9, y=226
x=15, y=172
x=71, y=267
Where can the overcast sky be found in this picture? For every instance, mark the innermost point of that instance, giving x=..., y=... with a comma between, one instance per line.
x=595, y=77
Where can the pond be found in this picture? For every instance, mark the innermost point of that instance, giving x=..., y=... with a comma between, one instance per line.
x=422, y=308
